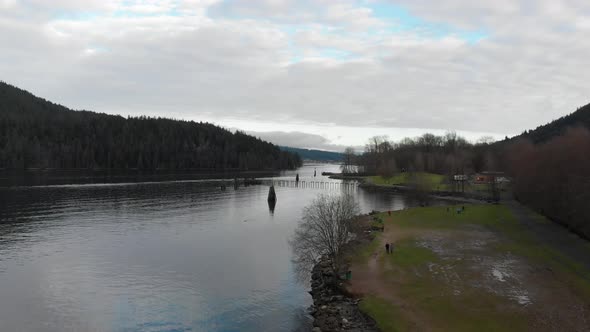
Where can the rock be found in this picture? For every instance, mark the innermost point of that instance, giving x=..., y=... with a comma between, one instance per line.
x=337, y=298
x=316, y=329
x=330, y=323
x=312, y=309
x=333, y=310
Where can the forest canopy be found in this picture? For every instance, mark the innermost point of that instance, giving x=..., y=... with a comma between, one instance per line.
x=35, y=133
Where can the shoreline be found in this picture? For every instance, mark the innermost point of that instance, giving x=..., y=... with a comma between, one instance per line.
x=439, y=194
x=11, y=178
x=334, y=308
x=402, y=189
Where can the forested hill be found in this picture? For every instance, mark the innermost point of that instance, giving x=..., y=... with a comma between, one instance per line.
x=315, y=155
x=579, y=118
x=35, y=133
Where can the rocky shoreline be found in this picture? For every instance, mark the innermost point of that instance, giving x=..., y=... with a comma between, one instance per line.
x=333, y=308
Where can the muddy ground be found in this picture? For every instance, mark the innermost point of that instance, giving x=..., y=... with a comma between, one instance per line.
x=488, y=271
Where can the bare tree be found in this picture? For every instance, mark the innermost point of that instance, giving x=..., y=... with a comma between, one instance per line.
x=326, y=226
x=348, y=162
x=388, y=168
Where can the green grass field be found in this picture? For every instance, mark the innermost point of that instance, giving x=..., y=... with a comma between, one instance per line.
x=457, y=307
x=430, y=180
x=386, y=315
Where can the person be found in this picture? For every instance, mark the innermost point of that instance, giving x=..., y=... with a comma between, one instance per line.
x=387, y=248
x=389, y=213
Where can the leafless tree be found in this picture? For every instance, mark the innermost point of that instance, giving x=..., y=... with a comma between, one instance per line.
x=419, y=188
x=349, y=161
x=326, y=227
x=388, y=168
x=553, y=177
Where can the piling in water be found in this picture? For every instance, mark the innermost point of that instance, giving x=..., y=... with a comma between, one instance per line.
x=272, y=196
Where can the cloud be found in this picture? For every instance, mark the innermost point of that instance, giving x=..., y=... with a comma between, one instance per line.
x=300, y=140
x=365, y=64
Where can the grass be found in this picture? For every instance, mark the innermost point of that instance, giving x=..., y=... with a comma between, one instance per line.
x=471, y=309
x=365, y=252
x=407, y=253
x=377, y=221
x=430, y=180
x=575, y=273
x=446, y=217
x=386, y=315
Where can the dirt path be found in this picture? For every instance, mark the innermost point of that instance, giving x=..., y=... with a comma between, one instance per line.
x=368, y=280
x=553, y=235
x=547, y=298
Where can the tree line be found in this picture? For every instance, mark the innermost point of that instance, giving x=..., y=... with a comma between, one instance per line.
x=549, y=167
x=553, y=177
x=442, y=154
x=35, y=133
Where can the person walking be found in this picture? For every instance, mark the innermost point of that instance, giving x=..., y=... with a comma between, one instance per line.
x=387, y=248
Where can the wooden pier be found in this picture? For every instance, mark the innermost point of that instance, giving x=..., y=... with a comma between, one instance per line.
x=328, y=185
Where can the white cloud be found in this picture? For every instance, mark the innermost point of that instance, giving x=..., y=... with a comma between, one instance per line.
x=7, y=4
x=321, y=63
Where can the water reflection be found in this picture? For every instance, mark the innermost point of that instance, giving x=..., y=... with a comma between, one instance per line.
x=271, y=206
x=155, y=256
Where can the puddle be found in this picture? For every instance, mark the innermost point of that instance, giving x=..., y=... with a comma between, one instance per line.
x=500, y=275
x=522, y=299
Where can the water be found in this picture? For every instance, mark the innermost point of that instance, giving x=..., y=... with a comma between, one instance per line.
x=173, y=256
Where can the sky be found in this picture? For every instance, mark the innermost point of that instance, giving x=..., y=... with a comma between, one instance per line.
x=315, y=74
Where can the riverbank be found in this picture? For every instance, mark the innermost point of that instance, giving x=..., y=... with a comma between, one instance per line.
x=440, y=194
x=435, y=186
x=473, y=268
x=334, y=308
x=44, y=177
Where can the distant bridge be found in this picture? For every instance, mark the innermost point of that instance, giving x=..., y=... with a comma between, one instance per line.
x=311, y=184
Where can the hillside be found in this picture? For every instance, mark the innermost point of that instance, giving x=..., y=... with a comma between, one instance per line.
x=36, y=133
x=315, y=155
x=581, y=117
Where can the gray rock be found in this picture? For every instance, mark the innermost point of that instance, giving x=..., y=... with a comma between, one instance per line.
x=333, y=310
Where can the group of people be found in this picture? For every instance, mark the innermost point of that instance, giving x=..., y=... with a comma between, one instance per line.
x=389, y=248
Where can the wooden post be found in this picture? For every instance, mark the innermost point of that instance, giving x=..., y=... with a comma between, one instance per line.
x=272, y=196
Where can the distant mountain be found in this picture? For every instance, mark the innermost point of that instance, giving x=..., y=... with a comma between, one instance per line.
x=315, y=155
x=581, y=117
x=36, y=133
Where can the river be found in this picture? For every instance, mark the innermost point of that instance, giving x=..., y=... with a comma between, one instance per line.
x=167, y=256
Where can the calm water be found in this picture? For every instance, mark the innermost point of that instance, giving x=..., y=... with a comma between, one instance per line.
x=175, y=256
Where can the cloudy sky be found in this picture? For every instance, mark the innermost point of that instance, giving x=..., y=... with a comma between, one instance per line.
x=321, y=74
